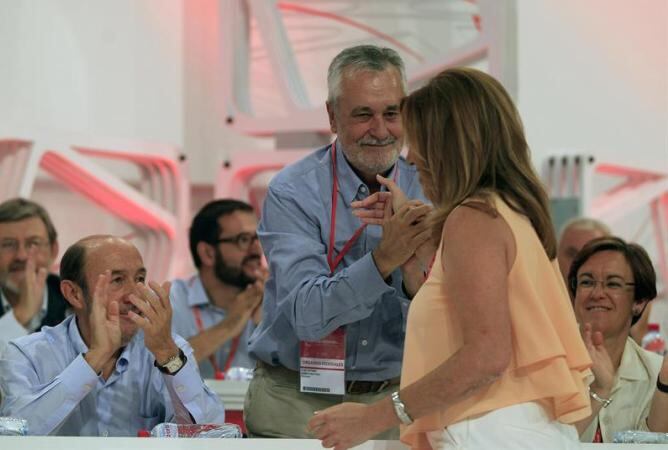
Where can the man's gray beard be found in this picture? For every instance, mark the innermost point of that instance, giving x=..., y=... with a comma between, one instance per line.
x=361, y=164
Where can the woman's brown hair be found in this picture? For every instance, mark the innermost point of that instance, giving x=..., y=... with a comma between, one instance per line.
x=467, y=140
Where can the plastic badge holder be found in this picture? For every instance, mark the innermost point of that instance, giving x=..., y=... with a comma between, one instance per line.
x=639, y=437
x=206, y=430
x=11, y=426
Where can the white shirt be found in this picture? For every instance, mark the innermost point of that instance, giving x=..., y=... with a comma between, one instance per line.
x=10, y=328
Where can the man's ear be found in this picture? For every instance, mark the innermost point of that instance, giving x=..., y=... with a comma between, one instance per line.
x=206, y=253
x=73, y=294
x=331, y=113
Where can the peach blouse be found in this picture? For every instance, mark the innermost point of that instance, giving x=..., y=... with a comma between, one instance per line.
x=549, y=362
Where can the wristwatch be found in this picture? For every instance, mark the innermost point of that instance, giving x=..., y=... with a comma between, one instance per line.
x=173, y=364
x=400, y=409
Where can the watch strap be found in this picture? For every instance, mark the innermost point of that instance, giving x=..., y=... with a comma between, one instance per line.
x=660, y=386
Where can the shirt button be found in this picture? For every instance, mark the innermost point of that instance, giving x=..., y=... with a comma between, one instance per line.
x=105, y=433
x=180, y=388
x=363, y=189
x=364, y=342
x=88, y=387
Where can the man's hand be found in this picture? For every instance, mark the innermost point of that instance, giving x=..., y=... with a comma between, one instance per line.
x=155, y=319
x=105, y=325
x=244, y=307
x=262, y=274
x=31, y=292
x=403, y=233
x=371, y=210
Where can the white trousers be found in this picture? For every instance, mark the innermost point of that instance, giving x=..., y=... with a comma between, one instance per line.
x=522, y=426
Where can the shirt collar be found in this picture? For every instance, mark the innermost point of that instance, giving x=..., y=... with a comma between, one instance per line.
x=632, y=366
x=75, y=337
x=196, y=294
x=349, y=183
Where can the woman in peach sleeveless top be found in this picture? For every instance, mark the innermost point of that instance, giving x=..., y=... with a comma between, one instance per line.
x=493, y=356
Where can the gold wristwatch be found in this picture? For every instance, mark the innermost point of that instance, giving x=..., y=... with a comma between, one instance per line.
x=173, y=364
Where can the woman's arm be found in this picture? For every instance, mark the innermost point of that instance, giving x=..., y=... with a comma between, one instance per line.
x=657, y=420
x=604, y=373
x=479, y=251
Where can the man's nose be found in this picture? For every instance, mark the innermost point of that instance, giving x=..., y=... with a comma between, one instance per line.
x=379, y=128
x=22, y=252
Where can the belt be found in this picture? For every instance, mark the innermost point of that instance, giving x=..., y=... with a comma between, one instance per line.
x=367, y=387
x=353, y=387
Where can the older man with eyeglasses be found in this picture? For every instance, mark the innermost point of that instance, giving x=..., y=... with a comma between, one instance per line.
x=30, y=297
x=218, y=309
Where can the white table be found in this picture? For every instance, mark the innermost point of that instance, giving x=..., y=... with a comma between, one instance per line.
x=231, y=392
x=87, y=443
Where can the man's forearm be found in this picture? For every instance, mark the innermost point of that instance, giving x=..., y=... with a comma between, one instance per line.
x=207, y=342
x=46, y=407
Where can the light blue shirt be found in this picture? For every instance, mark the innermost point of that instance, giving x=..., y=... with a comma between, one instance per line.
x=45, y=380
x=188, y=295
x=302, y=302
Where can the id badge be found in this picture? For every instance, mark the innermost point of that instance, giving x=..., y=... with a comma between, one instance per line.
x=322, y=364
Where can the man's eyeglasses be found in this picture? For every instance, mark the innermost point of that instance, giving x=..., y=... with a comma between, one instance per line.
x=11, y=246
x=613, y=286
x=242, y=240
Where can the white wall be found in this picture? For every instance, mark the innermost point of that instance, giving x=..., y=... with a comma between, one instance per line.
x=110, y=68
x=593, y=76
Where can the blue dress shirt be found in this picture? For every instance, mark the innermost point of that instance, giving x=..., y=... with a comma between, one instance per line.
x=302, y=302
x=186, y=295
x=45, y=380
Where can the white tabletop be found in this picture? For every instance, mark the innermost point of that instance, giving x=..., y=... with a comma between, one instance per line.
x=87, y=443
x=232, y=393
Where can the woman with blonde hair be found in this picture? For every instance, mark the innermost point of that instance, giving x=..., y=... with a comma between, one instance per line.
x=493, y=356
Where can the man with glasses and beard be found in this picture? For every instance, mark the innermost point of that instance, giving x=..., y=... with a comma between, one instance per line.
x=218, y=309
x=30, y=297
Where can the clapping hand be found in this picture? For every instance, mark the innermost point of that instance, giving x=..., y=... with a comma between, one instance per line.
x=604, y=372
x=104, y=324
x=31, y=292
x=155, y=319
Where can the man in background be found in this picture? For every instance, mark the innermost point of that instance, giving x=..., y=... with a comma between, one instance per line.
x=30, y=297
x=218, y=309
x=574, y=235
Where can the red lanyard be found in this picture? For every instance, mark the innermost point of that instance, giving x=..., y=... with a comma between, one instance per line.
x=331, y=260
x=218, y=374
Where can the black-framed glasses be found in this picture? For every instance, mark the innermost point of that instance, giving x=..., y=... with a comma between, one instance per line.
x=612, y=285
x=241, y=240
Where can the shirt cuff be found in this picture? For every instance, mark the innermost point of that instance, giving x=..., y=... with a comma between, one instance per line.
x=368, y=282
x=78, y=379
x=188, y=385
